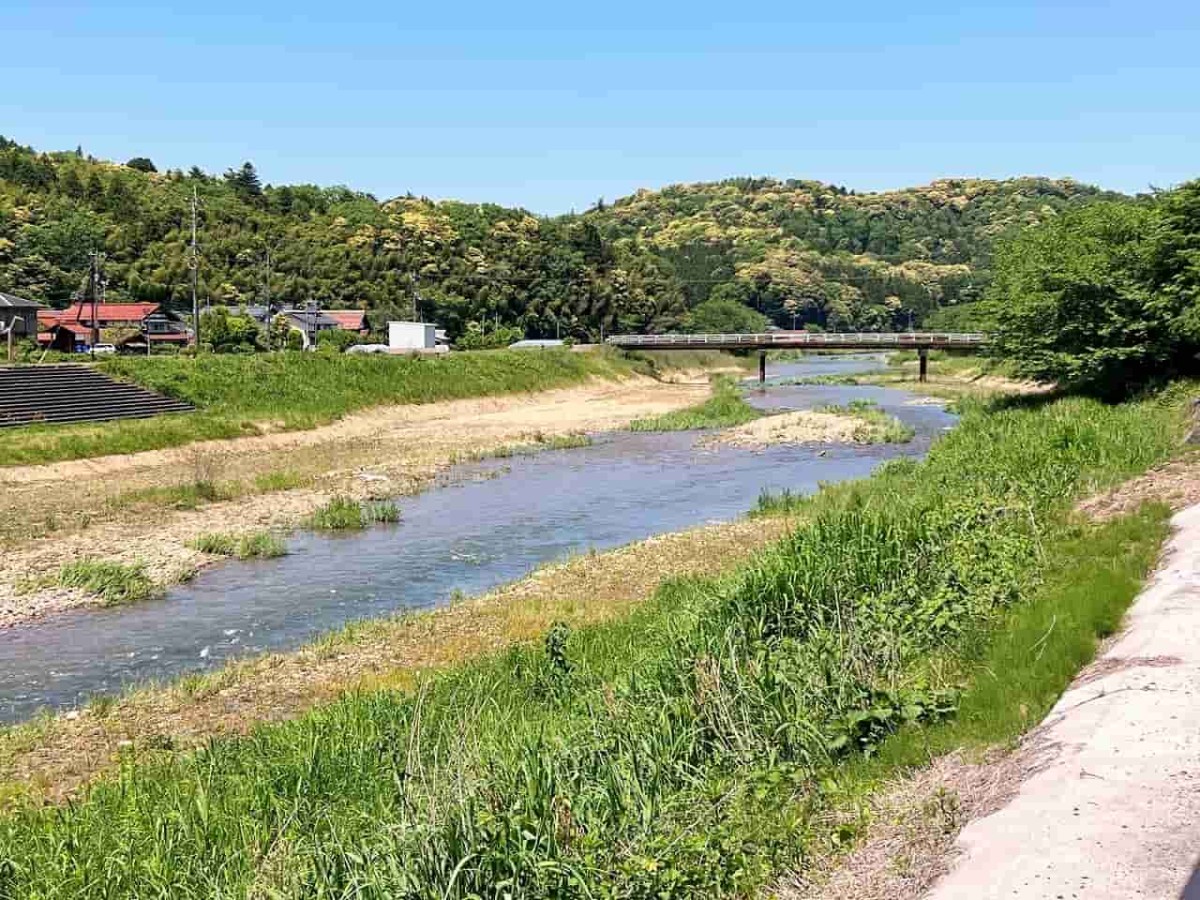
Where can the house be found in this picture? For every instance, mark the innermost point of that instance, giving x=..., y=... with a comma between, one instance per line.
x=311, y=321
x=19, y=314
x=350, y=320
x=71, y=329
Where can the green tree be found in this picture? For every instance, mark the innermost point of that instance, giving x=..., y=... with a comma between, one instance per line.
x=142, y=164
x=724, y=316
x=245, y=183
x=1080, y=299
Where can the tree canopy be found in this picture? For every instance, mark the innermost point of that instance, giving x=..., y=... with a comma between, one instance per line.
x=1104, y=299
x=797, y=253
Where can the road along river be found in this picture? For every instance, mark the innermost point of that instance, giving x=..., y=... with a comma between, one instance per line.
x=486, y=524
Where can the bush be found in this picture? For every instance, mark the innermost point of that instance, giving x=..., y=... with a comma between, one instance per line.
x=476, y=338
x=227, y=332
x=336, y=340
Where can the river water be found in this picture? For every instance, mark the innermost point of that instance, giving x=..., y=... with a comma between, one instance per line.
x=484, y=525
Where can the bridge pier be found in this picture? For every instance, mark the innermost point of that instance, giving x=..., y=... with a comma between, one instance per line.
x=762, y=367
x=923, y=363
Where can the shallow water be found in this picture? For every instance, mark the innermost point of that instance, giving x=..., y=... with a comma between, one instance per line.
x=490, y=523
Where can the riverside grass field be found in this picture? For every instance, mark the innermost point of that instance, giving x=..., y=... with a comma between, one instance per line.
x=294, y=390
x=694, y=748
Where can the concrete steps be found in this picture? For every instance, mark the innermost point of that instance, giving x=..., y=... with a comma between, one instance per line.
x=32, y=395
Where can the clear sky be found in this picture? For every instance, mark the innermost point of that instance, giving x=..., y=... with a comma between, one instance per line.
x=553, y=105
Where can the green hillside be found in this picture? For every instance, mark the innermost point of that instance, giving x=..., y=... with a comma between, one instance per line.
x=794, y=251
x=834, y=257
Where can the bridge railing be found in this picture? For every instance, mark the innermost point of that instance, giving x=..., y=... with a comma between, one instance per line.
x=805, y=339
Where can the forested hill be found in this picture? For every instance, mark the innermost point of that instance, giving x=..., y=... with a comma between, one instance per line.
x=835, y=258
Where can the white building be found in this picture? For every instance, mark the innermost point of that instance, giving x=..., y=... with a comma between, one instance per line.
x=412, y=335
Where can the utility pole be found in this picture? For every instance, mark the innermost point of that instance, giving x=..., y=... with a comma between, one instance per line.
x=267, y=299
x=194, y=265
x=95, y=287
x=415, y=296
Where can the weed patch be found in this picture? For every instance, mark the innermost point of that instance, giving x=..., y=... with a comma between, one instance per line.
x=115, y=583
x=726, y=407
x=254, y=545
x=344, y=513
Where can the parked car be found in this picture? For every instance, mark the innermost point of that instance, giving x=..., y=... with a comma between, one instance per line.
x=103, y=349
x=367, y=348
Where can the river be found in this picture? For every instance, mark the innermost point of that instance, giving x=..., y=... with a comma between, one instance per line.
x=484, y=524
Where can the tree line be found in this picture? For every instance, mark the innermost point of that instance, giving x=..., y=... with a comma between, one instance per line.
x=729, y=256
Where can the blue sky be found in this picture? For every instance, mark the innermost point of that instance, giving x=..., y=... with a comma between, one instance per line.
x=552, y=105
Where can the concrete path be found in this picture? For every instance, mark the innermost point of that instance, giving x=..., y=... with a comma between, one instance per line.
x=1114, y=809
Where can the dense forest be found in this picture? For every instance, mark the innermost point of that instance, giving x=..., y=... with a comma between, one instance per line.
x=742, y=252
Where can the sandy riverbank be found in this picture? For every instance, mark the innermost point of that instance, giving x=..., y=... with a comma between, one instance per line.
x=119, y=507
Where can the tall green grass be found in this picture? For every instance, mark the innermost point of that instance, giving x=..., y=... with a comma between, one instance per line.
x=251, y=545
x=347, y=514
x=113, y=582
x=726, y=407
x=686, y=750
x=235, y=394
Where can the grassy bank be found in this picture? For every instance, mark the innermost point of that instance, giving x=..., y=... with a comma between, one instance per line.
x=684, y=750
x=725, y=407
x=237, y=395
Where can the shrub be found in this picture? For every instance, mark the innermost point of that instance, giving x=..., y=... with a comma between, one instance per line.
x=477, y=337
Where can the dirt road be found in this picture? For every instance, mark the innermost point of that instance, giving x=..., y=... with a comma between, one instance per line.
x=136, y=508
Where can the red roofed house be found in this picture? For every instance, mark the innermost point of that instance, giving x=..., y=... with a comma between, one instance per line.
x=349, y=319
x=70, y=329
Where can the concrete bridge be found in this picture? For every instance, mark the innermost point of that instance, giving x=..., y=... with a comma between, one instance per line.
x=921, y=341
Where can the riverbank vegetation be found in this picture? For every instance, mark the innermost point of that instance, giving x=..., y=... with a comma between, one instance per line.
x=250, y=545
x=725, y=407
x=113, y=582
x=347, y=514
x=1104, y=299
x=690, y=748
x=241, y=395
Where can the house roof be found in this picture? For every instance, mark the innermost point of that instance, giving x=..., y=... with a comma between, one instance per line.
x=348, y=319
x=109, y=312
x=8, y=301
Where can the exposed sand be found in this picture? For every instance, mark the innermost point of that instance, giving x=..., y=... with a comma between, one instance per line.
x=804, y=427
x=85, y=505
